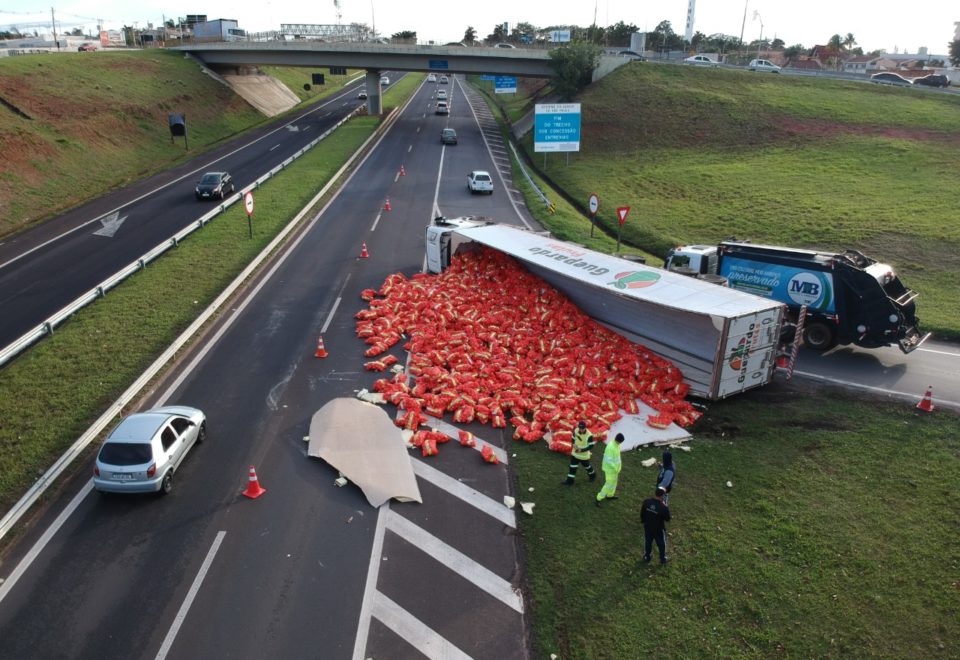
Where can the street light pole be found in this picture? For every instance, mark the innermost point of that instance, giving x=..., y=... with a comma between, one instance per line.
x=756, y=16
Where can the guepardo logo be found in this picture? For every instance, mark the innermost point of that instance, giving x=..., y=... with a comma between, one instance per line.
x=809, y=289
x=633, y=279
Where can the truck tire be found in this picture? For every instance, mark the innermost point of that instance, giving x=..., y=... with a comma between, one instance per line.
x=819, y=336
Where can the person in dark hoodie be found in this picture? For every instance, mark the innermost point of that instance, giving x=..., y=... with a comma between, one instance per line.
x=668, y=473
x=654, y=514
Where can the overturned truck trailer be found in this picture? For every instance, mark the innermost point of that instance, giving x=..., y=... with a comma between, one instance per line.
x=724, y=341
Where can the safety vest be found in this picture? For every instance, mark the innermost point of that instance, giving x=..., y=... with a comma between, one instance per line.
x=611, y=457
x=582, y=444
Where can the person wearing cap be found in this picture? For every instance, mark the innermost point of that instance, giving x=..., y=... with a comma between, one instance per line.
x=668, y=471
x=654, y=513
x=580, y=453
x=611, y=469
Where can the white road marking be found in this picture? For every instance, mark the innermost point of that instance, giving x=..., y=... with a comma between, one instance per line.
x=396, y=177
x=461, y=564
x=936, y=352
x=410, y=148
x=415, y=633
x=418, y=130
x=436, y=189
x=276, y=146
x=460, y=490
x=38, y=547
x=375, y=221
x=333, y=310
x=370, y=590
x=191, y=595
x=880, y=390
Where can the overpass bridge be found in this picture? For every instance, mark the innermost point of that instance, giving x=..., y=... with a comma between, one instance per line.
x=375, y=58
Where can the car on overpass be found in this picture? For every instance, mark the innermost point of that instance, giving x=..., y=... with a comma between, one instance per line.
x=932, y=80
x=700, y=60
x=890, y=78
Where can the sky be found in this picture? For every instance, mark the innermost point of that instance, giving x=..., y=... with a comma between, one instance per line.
x=875, y=25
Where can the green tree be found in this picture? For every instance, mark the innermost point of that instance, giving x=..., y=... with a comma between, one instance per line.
x=522, y=30
x=835, y=42
x=497, y=35
x=619, y=33
x=698, y=39
x=470, y=36
x=777, y=43
x=955, y=52
x=409, y=36
x=664, y=38
x=849, y=41
x=794, y=50
x=573, y=67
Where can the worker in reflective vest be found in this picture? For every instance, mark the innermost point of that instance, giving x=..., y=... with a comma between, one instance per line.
x=611, y=469
x=580, y=453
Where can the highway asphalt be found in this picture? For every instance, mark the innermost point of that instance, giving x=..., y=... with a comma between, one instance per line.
x=308, y=569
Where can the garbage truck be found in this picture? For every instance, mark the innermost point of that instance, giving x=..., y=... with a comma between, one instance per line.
x=723, y=341
x=849, y=297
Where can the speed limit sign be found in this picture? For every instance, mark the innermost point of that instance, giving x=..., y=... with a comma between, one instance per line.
x=594, y=204
x=248, y=202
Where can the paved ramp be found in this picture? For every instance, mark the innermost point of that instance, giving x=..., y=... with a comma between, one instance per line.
x=265, y=93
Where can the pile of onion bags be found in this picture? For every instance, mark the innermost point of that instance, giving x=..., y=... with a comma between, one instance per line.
x=492, y=343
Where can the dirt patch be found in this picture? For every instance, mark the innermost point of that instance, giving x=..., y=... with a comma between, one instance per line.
x=826, y=129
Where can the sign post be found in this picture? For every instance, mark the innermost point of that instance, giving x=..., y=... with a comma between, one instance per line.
x=594, y=206
x=622, y=212
x=505, y=84
x=556, y=127
x=248, y=204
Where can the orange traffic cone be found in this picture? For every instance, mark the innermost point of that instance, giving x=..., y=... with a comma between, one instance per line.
x=363, y=250
x=254, y=490
x=926, y=403
x=321, y=351
x=783, y=358
x=402, y=172
x=386, y=205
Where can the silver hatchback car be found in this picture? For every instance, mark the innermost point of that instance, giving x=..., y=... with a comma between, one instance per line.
x=145, y=449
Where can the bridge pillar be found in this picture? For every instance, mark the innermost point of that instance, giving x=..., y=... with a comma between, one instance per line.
x=374, y=99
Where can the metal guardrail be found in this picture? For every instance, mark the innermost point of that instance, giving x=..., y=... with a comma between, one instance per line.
x=45, y=329
x=543, y=197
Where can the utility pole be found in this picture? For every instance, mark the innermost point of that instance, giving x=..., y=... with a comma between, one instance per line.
x=744, y=24
x=53, y=22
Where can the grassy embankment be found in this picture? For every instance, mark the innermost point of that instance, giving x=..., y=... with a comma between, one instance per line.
x=49, y=396
x=98, y=121
x=836, y=538
x=700, y=155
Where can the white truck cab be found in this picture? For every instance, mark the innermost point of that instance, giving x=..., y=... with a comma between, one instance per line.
x=438, y=239
x=700, y=259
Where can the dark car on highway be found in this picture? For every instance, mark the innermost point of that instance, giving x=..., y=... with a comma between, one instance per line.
x=932, y=80
x=448, y=136
x=889, y=78
x=215, y=185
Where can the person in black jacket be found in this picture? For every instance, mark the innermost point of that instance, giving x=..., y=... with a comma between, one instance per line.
x=654, y=514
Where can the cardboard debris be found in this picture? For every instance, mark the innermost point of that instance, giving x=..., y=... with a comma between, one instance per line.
x=341, y=481
x=649, y=462
x=360, y=441
x=729, y=484
x=371, y=397
x=686, y=448
x=509, y=502
x=527, y=507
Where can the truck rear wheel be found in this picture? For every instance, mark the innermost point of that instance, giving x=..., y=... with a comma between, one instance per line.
x=818, y=336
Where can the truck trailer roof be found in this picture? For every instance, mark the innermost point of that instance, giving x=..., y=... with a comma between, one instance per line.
x=627, y=278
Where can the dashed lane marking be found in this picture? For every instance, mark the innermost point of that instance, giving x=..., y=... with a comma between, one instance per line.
x=413, y=631
x=460, y=490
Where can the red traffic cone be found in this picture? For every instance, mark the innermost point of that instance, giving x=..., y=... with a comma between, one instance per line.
x=363, y=252
x=926, y=403
x=402, y=172
x=254, y=490
x=386, y=205
x=321, y=351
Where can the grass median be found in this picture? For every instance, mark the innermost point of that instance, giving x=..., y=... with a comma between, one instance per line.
x=51, y=395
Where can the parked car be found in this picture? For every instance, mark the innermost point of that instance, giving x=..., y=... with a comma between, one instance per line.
x=480, y=181
x=84, y=48
x=444, y=80
x=215, y=185
x=932, y=80
x=763, y=65
x=432, y=77
x=441, y=95
x=633, y=55
x=442, y=108
x=144, y=451
x=384, y=80
x=701, y=60
x=362, y=94
x=889, y=78
x=448, y=136
x=504, y=46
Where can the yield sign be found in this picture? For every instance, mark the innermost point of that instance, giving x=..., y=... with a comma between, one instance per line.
x=622, y=212
x=248, y=202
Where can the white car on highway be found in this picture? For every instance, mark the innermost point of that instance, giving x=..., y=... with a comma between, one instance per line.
x=763, y=65
x=480, y=181
x=701, y=60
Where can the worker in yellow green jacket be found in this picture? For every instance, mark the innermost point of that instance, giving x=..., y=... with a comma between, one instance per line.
x=611, y=469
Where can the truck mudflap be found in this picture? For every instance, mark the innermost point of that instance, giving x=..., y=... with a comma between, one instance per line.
x=912, y=339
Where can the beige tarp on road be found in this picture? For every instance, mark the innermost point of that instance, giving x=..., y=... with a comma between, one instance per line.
x=360, y=440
